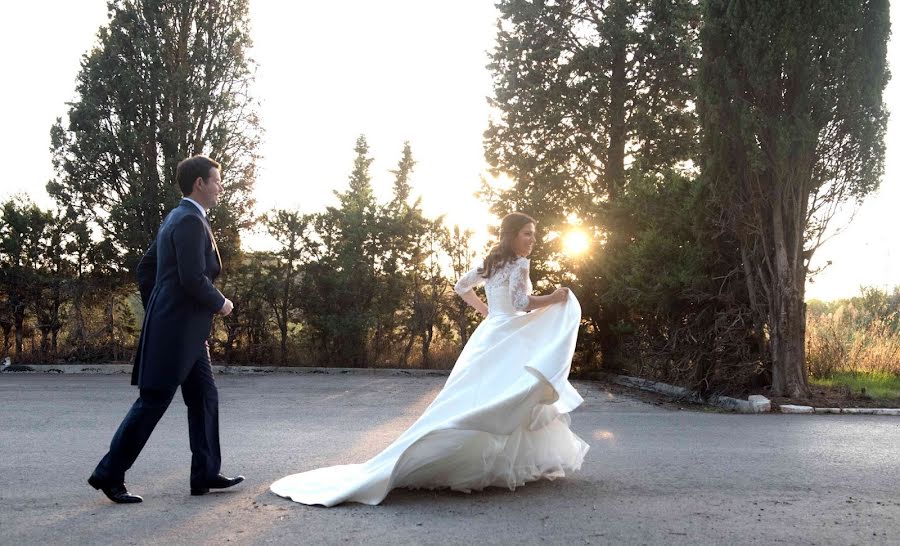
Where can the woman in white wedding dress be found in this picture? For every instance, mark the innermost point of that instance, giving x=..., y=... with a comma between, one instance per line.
x=502, y=417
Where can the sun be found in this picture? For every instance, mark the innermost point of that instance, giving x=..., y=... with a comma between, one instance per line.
x=575, y=242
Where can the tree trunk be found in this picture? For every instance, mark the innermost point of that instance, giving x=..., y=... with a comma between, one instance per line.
x=283, y=328
x=788, y=343
x=111, y=328
x=79, y=334
x=7, y=330
x=55, y=324
x=45, y=340
x=615, y=180
x=231, y=333
x=615, y=164
x=19, y=319
x=408, y=349
x=378, y=345
x=463, y=323
x=427, y=336
x=788, y=314
x=286, y=304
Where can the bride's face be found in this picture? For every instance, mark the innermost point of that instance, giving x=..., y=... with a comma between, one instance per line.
x=523, y=244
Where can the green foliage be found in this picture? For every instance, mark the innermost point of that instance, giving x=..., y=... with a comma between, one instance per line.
x=456, y=244
x=340, y=286
x=370, y=283
x=358, y=284
x=56, y=279
x=585, y=93
x=794, y=122
x=401, y=228
x=872, y=304
x=667, y=259
x=168, y=79
x=251, y=283
x=292, y=231
x=883, y=386
x=23, y=228
x=595, y=124
x=577, y=85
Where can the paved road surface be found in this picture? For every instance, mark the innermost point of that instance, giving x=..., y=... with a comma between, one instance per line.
x=654, y=475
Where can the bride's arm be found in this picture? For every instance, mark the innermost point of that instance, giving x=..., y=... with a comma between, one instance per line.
x=518, y=287
x=536, y=302
x=465, y=287
x=472, y=299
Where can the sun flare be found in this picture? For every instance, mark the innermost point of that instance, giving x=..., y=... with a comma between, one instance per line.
x=575, y=243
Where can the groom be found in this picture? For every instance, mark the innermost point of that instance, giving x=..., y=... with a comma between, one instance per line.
x=175, y=279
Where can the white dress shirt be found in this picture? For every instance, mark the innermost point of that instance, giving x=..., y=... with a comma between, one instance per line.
x=196, y=204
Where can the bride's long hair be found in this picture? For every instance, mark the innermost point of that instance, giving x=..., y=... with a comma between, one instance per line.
x=502, y=253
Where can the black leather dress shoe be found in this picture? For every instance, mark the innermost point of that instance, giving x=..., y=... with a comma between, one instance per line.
x=115, y=492
x=219, y=482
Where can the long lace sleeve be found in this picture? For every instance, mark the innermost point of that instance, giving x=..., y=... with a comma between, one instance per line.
x=468, y=281
x=518, y=284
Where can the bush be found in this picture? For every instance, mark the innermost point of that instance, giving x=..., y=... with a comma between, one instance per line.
x=856, y=335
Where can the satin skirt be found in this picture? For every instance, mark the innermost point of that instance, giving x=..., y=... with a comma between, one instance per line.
x=501, y=419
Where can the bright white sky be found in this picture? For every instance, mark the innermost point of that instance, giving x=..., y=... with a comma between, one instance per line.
x=395, y=70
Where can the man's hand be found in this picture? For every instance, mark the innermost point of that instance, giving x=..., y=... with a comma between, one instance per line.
x=227, y=307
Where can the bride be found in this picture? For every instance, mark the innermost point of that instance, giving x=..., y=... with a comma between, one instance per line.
x=502, y=417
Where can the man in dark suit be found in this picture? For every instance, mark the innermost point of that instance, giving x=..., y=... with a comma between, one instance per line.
x=175, y=277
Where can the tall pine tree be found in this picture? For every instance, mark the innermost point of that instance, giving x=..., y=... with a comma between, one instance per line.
x=794, y=123
x=168, y=79
x=585, y=92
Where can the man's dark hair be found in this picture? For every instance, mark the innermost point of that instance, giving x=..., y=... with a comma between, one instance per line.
x=192, y=168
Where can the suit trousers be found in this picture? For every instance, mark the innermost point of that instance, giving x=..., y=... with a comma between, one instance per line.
x=202, y=400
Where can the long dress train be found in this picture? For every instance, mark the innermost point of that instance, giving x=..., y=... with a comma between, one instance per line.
x=500, y=420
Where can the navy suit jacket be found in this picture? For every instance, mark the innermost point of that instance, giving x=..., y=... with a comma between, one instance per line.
x=175, y=278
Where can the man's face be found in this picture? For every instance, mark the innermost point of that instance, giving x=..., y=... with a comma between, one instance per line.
x=207, y=191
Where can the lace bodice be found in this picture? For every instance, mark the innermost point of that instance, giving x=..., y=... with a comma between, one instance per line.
x=507, y=290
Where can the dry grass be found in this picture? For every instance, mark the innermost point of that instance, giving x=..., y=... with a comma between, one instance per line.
x=838, y=343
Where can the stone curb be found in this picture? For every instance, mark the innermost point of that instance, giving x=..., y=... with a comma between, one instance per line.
x=757, y=404
x=789, y=408
x=114, y=369
x=847, y=411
